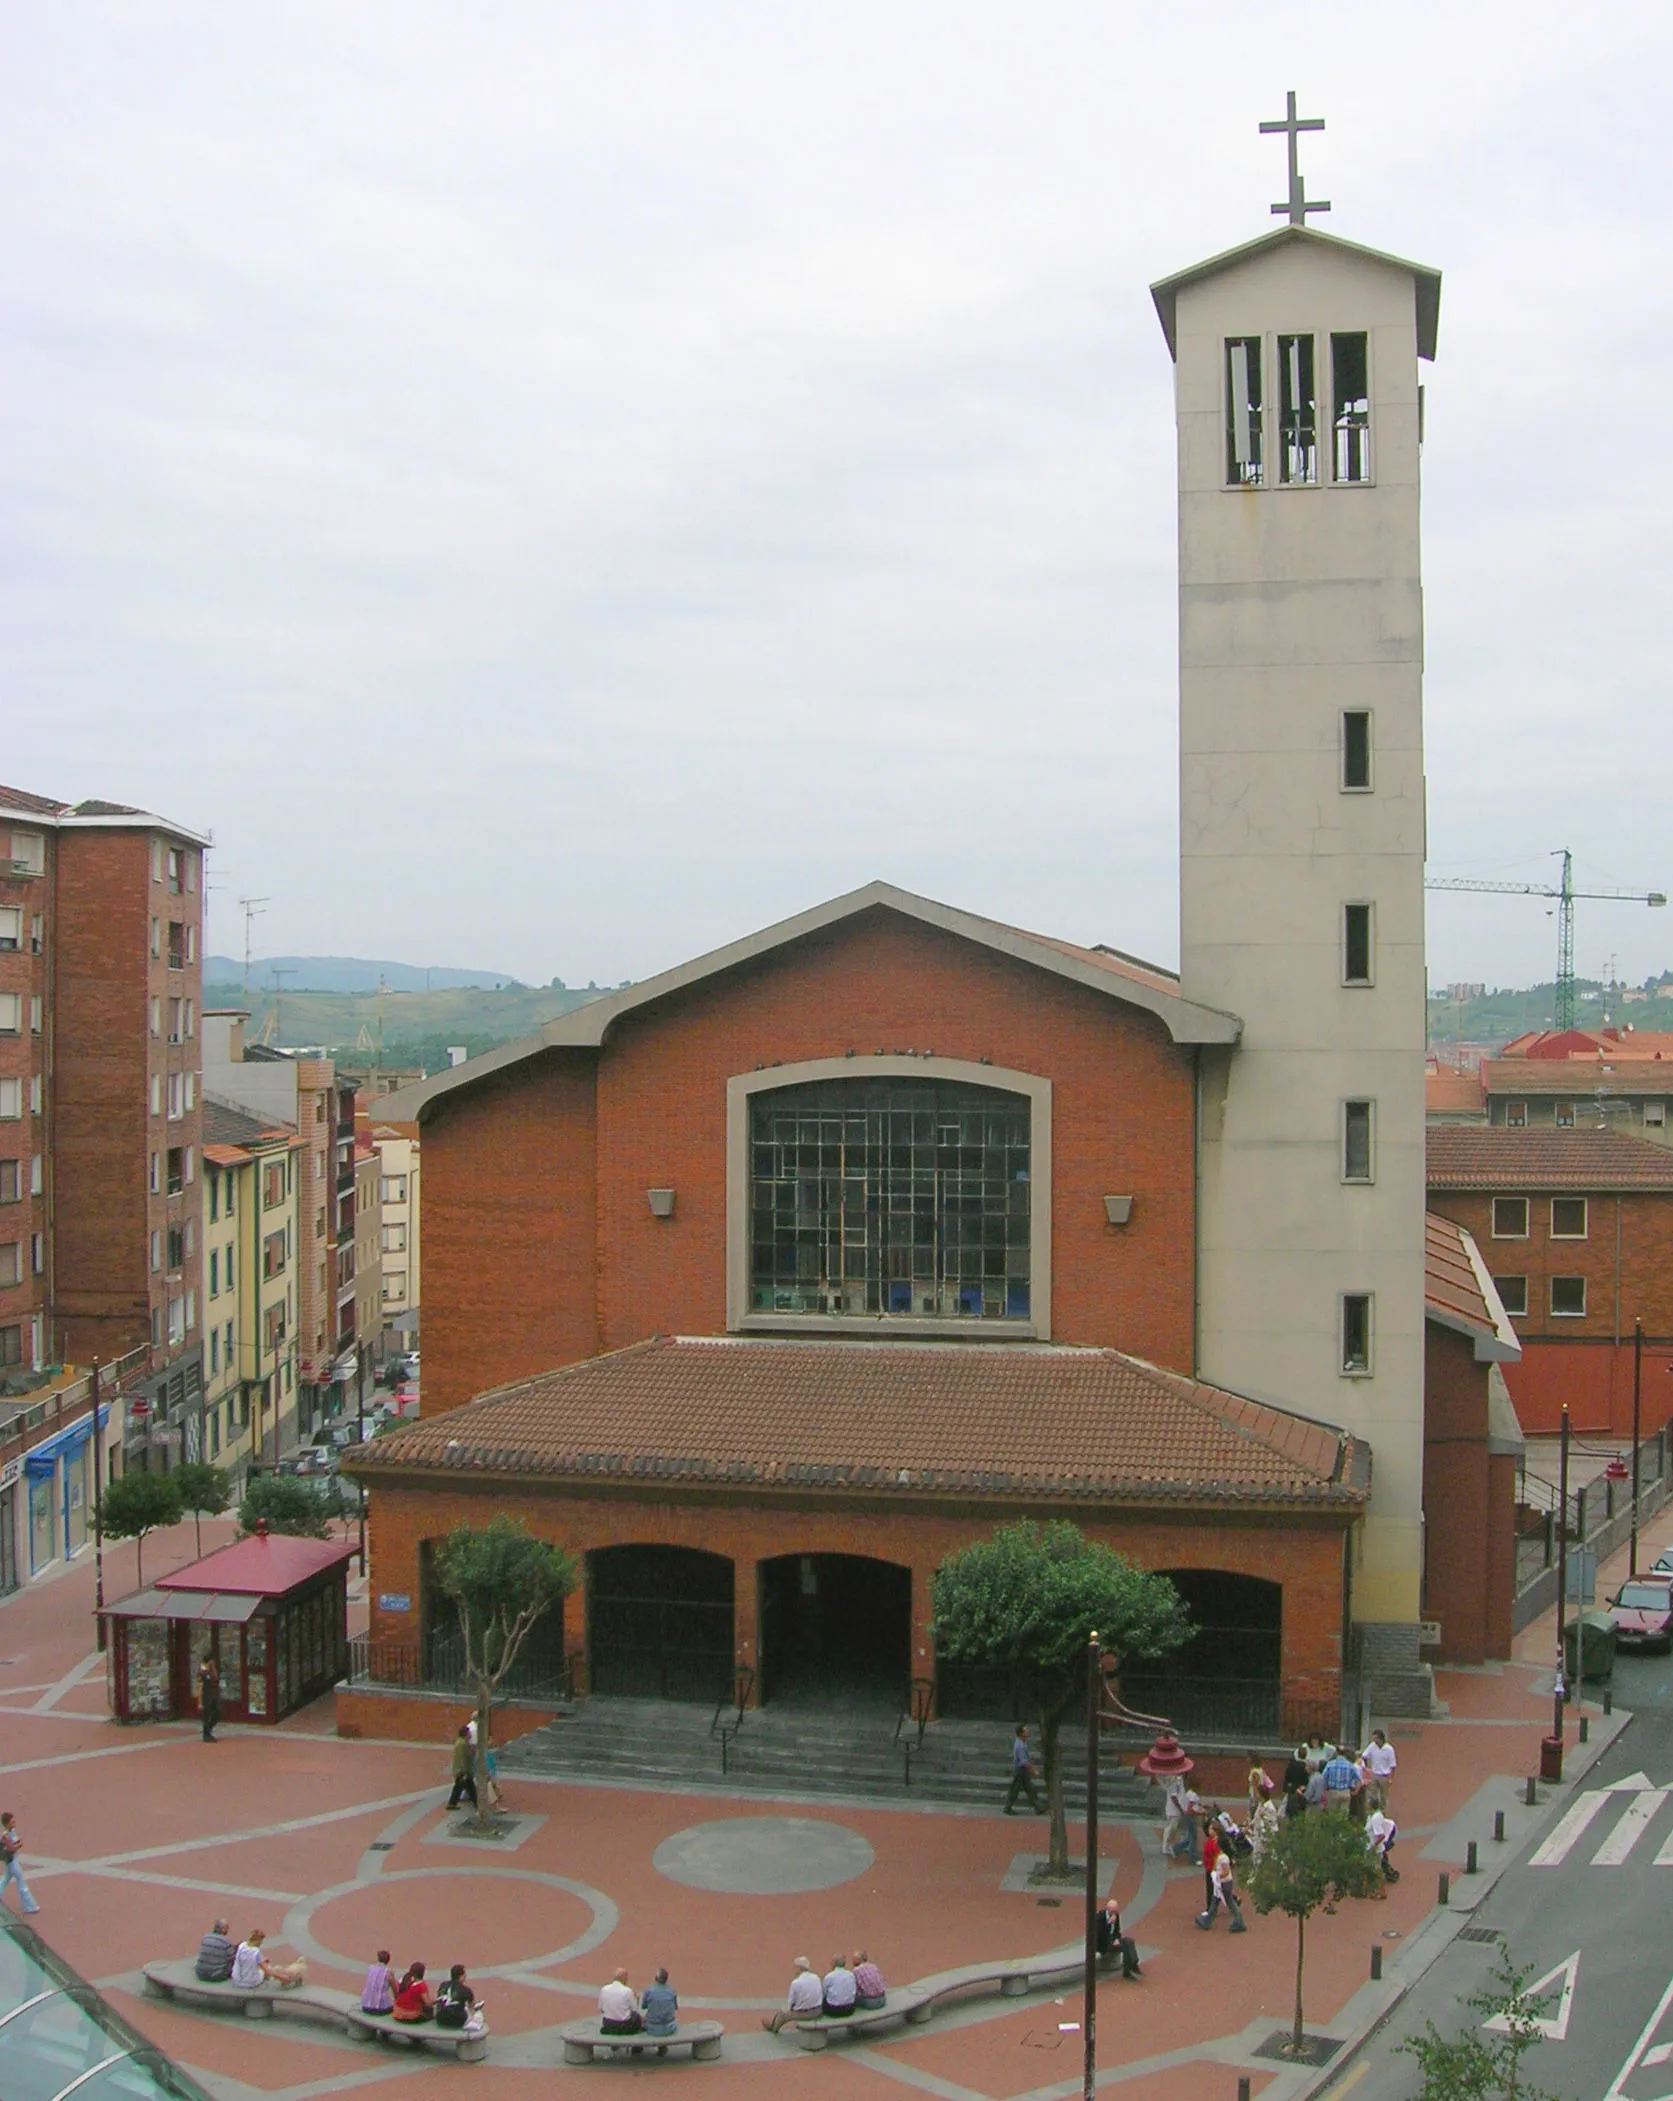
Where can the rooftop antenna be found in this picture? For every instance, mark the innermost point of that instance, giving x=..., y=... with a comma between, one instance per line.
x=1295, y=206
x=250, y=907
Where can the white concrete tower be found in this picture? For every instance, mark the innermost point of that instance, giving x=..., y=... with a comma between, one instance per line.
x=1302, y=844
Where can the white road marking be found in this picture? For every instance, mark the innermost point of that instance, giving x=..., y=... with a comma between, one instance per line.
x=1554, y=2026
x=1617, y=2086
x=1630, y=1828
x=1570, y=1828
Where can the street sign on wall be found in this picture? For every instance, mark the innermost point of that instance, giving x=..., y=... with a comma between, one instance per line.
x=1582, y=1576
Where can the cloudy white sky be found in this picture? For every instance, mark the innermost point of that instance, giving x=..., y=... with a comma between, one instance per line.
x=553, y=487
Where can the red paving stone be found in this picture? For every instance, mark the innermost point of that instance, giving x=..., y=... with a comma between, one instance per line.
x=930, y=1901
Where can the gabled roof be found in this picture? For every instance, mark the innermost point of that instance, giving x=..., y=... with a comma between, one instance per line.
x=1104, y=970
x=1540, y=1158
x=1458, y=1292
x=225, y=1123
x=1576, y=1079
x=92, y=814
x=1453, y=1090
x=996, y=1422
x=261, y=1565
x=1426, y=283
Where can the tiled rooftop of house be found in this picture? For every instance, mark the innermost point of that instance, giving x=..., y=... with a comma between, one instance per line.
x=1577, y=1078
x=1455, y=1287
x=1481, y=1156
x=889, y=1419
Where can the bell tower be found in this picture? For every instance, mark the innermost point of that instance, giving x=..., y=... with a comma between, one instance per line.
x=1302, y=843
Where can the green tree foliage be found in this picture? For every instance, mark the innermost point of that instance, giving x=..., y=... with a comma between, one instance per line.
x=1310, y=1864
x=205, y=1491
x=135, y=1504
x=1027, y=1600
x=502, y=1581
x=287, y=1505
x=1482, y=2064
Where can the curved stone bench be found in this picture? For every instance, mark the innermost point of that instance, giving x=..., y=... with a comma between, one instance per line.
x=916, y=2002
x=582, y=2040
x=259, y=2002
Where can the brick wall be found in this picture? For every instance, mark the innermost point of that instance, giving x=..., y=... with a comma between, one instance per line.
x=1303, y=1554
x=1468, y=1507
x=538, y=1236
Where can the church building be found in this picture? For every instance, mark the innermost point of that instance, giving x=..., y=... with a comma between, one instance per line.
x=765, y=1284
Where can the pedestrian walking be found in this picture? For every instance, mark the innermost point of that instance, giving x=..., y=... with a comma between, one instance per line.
x=1181, y=1809
x=464, y=1776
x=1259, y=1785
x=11, y=1862
x=1379, y=1761
x=1341, y=1776
x=1380, y=1833
x=1210, y=1854
x=1022, y=1774
x=209, y=1698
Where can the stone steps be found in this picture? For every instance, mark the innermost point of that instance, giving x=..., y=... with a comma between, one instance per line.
x=665, y=1744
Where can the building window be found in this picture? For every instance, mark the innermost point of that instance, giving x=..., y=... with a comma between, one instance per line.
x=11, y=1181
x=273, y=1255
x=1655, y=1116
x=156, y=1094
x=1356, y=1334
x=1568, y=1218
x=1298, y=412
x=1356, y=945
x=1513, y=1294
x=395, y=1286
x=1510, y=1218
x=392, y=1189
x=1356, y=751
x=214, y=1273
x=1358, y=1120
x=176, y=1249
x=29, y=853
x=156, y=860
x=156, y=1249
x=176, y=944
x=176, y=1181
x=214, y=1432
x=1564, y=1116
x=890, y=1196
x=176, y=1015
x=191, y=1018
x=11, y=926
x=11, y=1099
x=156, y=939
x=37, y=933
x=37, y=1254
x=11, y=1013
x=1568, y=1298
x=36, y=1014
x=213, y=1183
x=176, y=1096
x=232, y=1190
x=11, y=1262
x=1350, y=389
x=1516, y=1115
x=173, y=864
x=1243, y=411
x=37, y=1166
x=35, y=1095
x=395, y=1239
x=11, y=1346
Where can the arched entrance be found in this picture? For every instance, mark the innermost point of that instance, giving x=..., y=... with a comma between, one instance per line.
x=836, y=1630
x=1228, y=1679
x=659, y=1622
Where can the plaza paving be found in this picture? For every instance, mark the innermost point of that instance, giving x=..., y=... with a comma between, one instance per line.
x=137, y=1837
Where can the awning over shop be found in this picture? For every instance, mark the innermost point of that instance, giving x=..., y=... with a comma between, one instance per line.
x=227, y=1608
x=41, y=1459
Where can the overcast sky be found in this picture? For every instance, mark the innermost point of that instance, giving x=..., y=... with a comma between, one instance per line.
x=554, y=487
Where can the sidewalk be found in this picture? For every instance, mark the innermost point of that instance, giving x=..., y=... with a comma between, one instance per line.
x=137, y=1837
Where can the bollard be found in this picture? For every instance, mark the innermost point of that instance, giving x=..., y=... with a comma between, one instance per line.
x=1499, y=1825
x=1243, y=2089
x=1609, y=1699
x=1470, y=1867
x=1531, y=1797
x=1585, y=1728
x=1376, y=1964
x=1445, y=1896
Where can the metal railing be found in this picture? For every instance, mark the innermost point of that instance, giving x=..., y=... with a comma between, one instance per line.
x=743, y=1684
x=67, y=1403
x=920, y=1705
x=405, y=1666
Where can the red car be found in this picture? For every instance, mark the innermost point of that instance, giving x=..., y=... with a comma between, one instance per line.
x=1643, y=1614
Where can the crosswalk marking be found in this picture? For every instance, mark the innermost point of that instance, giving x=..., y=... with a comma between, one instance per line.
x=1570, y=1827
x=1629, y=1829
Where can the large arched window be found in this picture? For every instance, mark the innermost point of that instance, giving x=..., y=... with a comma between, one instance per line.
x=877, y=1194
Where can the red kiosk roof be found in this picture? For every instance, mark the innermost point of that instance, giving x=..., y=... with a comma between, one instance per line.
x=265, y=1565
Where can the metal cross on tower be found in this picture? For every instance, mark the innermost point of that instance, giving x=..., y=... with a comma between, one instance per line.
x=1296, y=205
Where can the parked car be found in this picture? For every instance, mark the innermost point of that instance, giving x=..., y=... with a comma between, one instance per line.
x=1664, y=1564
x=1643, y=1613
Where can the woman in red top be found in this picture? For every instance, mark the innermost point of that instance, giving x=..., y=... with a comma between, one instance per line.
x=1210, y=1854
x=412, y=1998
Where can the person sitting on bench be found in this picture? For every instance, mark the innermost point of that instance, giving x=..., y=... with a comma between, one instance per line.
x=412, y=1996
x=618, y=2009
x=660, y=2005
x=840, y=1990
x=868, y=1983
x=377, y=1994
x=455, y=2002
x=806, y=1996
x=215, y=1953
x=1112, y=1941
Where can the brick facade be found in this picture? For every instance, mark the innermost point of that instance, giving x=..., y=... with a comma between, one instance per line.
x=1469, y=1497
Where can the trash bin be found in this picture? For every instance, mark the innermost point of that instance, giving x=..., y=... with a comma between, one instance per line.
x=1589, y=1647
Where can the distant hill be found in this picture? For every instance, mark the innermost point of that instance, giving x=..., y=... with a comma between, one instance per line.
x=1498, y=1013
x=414, y=1028
x=349, y=974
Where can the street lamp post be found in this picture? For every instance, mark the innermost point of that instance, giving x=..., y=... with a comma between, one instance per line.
x=1560, y=1692
x=1637, y=1387
x=1089, y=2012
x=360, y=1438
x=98, y=1517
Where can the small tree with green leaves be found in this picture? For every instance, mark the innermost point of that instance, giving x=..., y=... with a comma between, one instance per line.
x=1028, y=1600
x=502, y=1581
x=135, y=1504
x=284, y=1504
x=1469, y=2067
x=205, y=1491
x=1310, y=1864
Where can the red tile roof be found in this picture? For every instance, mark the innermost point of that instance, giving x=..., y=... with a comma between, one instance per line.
x=1458, y=1292
x=1451, y=1090
x=21, y=799
x=1483, y=1156
x=1574, y=1079
x=262, y=1566
x=884, y=1419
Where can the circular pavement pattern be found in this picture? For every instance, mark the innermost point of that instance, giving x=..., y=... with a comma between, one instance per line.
x=298, y=1926
x=763, y=1856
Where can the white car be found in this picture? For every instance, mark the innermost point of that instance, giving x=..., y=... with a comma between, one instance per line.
x=1663, y=1563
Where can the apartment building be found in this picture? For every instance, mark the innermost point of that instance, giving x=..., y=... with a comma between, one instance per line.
x=100, y=1111
x=399, y=1177
x=368, y=1258
x=252, y=1228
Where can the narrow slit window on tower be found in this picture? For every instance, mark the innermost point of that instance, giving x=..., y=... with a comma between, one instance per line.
x=1356, y=749
x=1298, y=412
x=1243, y=411
x=1350, y=393
x=1356, y=944
x=1357, y=1131
x=1356, y=1334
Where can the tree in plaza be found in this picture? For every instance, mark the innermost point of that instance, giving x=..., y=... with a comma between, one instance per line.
x=1028, y=1600
x=502, y=1581
x=205, y=1491
x=1310, y=1864
x=284, y=1504
x=135, y=1504
x=1470, y=2068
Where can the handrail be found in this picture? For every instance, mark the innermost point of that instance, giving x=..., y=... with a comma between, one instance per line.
x=743, y=1684
x=920, y=1702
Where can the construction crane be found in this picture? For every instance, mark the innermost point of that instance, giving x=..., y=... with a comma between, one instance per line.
x=1565, y=894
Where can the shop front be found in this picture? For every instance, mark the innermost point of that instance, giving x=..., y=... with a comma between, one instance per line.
x=58, y=1494
x=269, y=1613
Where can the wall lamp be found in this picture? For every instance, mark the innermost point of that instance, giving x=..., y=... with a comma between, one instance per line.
x=661, y=1202
x=1118, y=1209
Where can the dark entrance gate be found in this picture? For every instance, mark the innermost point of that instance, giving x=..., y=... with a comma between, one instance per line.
x=1226, y=1681
x=836, y=1630
x=659, y=1623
